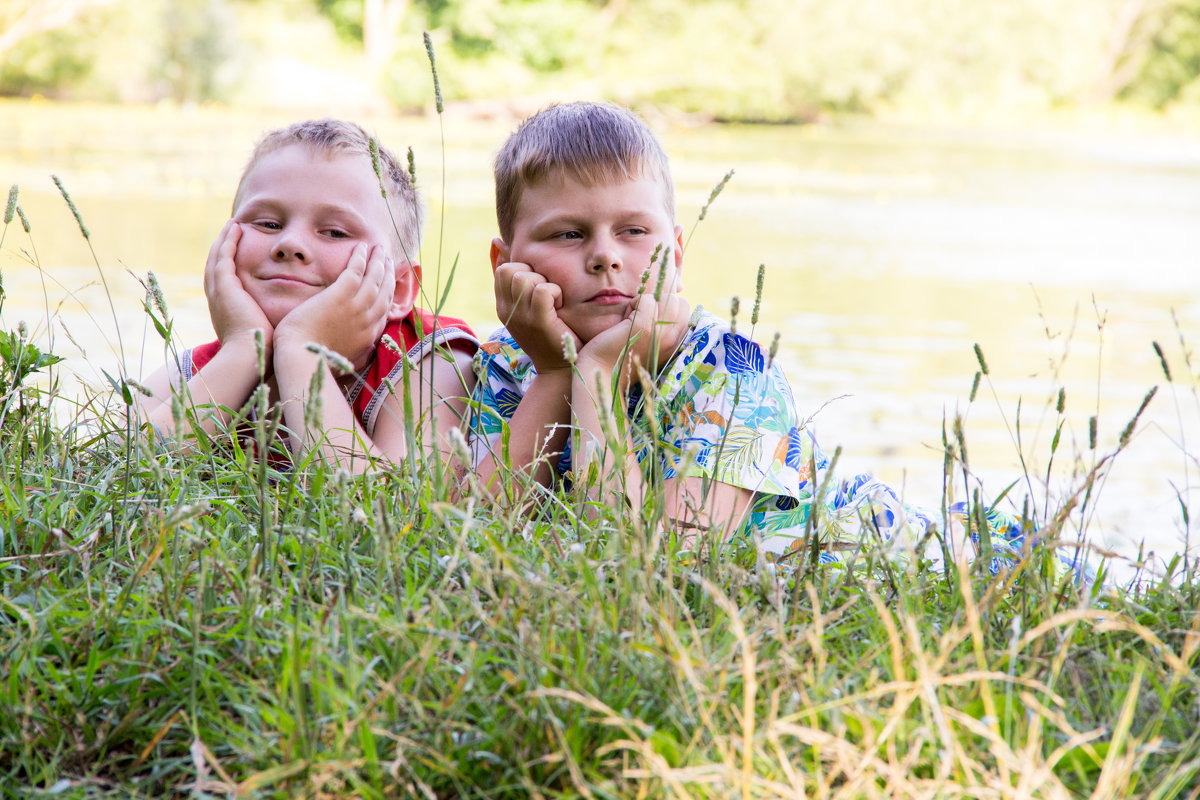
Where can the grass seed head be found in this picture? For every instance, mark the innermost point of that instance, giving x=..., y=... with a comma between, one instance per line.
x=975, y=386
x=758, y=287
x=154, y=293
x=390, y=344
x=1062, y=400
x=335, y=360
x=71, y=205
x=568, y=348
x=979, y=355
x=713, y=194
x=141, y=388
x=12, y=204
x=412, y=167
x=1128, y=432
x=735, y=305
x=1162, y=359
x=177, y=412
x=437, y=84
x=458, y=446
x=373, y=147
x=662, y=275
x=1092, y=432
x=24, y=219
x=260, y=351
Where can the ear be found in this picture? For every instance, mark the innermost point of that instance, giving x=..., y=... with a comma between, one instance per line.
x=678, y=247
x=499, y=253
x=408, y=284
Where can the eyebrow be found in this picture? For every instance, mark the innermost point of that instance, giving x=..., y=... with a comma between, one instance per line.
x=558, y=217
x=321, y=210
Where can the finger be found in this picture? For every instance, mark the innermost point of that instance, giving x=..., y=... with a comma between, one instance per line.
x=220, y=266
x=546, y=299
x=357, y=265
x=523, y=287
x=643, y=308
x=215, y=249
x=385, y=287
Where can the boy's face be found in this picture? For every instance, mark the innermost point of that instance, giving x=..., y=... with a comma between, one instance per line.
x=302, y=211
x=594, y=242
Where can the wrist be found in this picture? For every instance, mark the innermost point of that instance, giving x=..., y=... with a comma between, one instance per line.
x=247, y=341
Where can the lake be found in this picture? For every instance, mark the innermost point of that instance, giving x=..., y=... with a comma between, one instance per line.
x=890, y=252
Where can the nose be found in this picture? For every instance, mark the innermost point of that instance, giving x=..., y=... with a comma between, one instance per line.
x=291, y=246
x=605, y=256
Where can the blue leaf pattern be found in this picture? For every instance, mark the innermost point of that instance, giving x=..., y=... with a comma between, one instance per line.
x=742, y=355
x=720, y=381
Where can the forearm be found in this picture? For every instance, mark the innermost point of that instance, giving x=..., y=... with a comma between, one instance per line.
x=221, y=388
x=538, y=432
x=328, y=424
x=601, y=447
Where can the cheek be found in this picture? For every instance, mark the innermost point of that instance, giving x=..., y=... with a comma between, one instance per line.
x=252, y=249
x=334, y=257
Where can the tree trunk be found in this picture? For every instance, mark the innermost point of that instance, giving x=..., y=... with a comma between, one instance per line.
x=381, y=23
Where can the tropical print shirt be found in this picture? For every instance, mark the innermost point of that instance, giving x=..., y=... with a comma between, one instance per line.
x=723, y=410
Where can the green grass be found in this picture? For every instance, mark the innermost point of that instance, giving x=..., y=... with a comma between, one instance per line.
x=192, y=623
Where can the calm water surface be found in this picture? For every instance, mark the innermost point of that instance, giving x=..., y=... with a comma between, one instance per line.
x=890, y=252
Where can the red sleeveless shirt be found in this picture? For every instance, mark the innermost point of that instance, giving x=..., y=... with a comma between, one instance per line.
x=418, y=335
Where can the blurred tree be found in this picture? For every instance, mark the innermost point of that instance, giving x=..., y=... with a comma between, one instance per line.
x=195, y=43
x=21, y=19
x=374, y=23
x=1153, y=55
x=750, y=60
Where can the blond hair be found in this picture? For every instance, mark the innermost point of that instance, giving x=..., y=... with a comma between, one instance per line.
x=592, y=142
x=335, y=137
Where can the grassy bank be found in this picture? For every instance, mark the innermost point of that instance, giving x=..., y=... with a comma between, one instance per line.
x=203, y=625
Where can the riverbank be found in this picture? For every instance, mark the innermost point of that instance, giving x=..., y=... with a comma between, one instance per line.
x=200, y=624
x=891, y=251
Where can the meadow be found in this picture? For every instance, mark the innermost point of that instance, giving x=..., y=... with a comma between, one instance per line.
x=189, y=621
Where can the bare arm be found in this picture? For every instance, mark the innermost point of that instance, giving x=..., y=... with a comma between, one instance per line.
x=346, y=318
x=607, y=365
x=439, y=391
x=225, y=383
x=527, y=304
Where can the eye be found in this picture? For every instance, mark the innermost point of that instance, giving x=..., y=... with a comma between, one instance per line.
x=267, y=224
x=636, y=231
x=336, y=233
x=567, y=235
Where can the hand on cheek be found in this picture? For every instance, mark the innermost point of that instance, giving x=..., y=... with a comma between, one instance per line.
x=234, y=313
x=348, y=316
x=527, y=305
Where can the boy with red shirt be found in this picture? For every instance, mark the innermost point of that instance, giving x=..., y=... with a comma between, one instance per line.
x=317, y=254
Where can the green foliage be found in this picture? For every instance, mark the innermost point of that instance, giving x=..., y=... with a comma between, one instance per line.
x=346, y=16
x=48, y=64
x=195, y=43
x=1171, y=68
x=729, y=59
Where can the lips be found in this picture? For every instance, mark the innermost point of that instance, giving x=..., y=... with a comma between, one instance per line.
x=609, y=297
x=286, y=279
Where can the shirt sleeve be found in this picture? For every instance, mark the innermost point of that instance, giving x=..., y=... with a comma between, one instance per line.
x=732, y=418
x=502, y=369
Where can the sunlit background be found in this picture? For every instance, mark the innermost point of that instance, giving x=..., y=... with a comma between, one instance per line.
x=918, y=176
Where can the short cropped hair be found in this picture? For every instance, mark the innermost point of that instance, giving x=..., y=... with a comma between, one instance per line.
x=335, y=137
x=591, y=142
